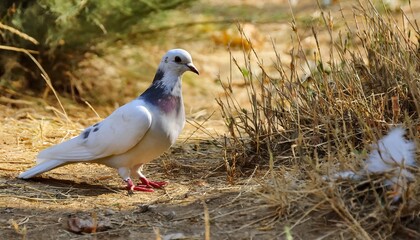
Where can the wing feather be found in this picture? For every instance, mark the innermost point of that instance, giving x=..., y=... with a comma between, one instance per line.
x=116, y=134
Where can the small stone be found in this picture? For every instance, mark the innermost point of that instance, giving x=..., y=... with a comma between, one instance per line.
x=169, y=215
x=109, y=212
x=145, y=208
x=173, y=236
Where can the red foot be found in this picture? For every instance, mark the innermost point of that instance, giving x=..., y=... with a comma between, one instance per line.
x=144, y=186
x=131, y=187
x=145, y=183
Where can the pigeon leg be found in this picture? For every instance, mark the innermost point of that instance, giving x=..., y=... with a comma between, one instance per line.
x=125, y=174
x=131, y=187
x=151, y=184
x=146, y=183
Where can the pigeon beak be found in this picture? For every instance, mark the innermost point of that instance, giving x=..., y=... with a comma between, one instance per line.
x=192, y=68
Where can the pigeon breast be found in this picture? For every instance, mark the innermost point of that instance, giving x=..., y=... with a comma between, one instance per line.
x=164, y=95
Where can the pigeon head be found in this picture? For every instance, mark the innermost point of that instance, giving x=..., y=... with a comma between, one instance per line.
x=165, y=91
x=177, y=61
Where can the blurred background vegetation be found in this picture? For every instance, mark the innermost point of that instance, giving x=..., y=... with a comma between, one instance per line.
x=63, y=33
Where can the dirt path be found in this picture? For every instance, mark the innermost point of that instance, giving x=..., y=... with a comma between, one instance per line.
x=41, y=208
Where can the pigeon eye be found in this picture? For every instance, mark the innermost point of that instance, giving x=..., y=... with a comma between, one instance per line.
x=177, y=59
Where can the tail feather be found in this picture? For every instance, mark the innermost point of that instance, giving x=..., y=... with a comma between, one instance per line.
x=40, y=168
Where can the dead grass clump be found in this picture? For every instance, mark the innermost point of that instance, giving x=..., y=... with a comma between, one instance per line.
x=364, y=209
x=325, y=123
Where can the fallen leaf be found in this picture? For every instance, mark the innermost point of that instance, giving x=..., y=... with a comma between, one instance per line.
x=91, y=225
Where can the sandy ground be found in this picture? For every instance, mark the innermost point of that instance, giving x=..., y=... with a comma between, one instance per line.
x=42, y=207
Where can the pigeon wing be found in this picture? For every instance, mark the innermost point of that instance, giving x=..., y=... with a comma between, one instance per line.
x=116, y=134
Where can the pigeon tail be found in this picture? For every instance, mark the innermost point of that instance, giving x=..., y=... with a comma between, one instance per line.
x=40, y=168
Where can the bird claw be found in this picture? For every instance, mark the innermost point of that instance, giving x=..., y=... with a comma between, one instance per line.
x=131, y=188
x=144, y=186
x=145, y=183
x=138, y=188
x=143, y=189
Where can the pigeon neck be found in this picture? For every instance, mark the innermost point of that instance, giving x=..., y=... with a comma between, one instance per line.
x=159, y=75
x=164, y=84
x=169, y=82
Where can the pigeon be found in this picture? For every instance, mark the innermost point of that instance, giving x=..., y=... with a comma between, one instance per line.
x=134, y=134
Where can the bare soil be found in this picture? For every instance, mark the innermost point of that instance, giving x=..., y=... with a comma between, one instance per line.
x=42, y=207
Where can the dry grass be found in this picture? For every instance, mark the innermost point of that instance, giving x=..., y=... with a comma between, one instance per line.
x=304, y=130
x=19, y=33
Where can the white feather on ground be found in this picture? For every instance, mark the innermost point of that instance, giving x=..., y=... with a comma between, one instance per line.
x=392, y=154
x=345, y=175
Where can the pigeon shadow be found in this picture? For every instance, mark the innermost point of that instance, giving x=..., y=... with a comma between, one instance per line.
x=70, y=188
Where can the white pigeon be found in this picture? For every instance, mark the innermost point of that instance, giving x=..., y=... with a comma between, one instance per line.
x=133, y=134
